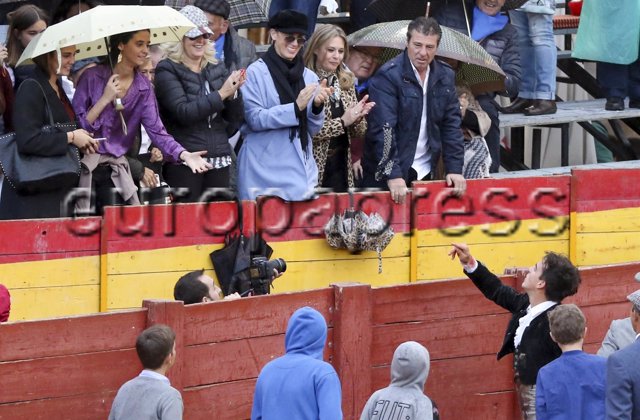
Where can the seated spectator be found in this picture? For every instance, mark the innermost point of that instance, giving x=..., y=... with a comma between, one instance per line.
x=299, y=385
x=150, y=394
x=197, y=287
x=404, y=397
x=475, y=125
x=573, y=385
x=5, y=303
x=362, y=62
x=619, y=336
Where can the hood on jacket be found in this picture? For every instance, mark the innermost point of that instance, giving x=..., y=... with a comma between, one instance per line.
x=5, y=303
x=306, y=333
x=410, y=366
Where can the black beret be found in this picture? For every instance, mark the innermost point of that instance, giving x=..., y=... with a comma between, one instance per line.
x=215, y=7
x=289, y=22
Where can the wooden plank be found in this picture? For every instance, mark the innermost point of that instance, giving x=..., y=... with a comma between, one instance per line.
x=423, y=301
x=89, y=406
x=72, y=271
x=434, y=263
x=228, y=401
x=607, y=284
x=51, y=257
x=64, y=376
x=257, y=316
x=444, y=338
x=620, y=220
x=184, y=258
x=170, y=313
x=319, y=250
x=70, y=335
x=599, y=319
x=606, y=184
x=48, y=302
x=607, y=248
x=129, y=290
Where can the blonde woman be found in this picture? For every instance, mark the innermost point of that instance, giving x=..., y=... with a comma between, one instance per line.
x=200, y=106
x=344, y=115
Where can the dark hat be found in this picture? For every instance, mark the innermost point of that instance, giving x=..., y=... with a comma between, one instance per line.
x=215, y=7
x=289, y=22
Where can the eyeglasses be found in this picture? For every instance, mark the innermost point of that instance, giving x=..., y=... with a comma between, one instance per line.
x=205, y=35
x=290, y=39
x=366, y=53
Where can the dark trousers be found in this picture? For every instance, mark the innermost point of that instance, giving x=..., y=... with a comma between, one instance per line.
x=181, y=176
x=105, y=191
x=488, y=105
x=620, y=80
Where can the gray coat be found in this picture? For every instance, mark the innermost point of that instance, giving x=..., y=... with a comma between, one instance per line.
x=239, y=52
x=619, y=336
x=623, y=384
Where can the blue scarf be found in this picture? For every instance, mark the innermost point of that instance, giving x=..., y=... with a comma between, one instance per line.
x=485, y=25
x=219, y=46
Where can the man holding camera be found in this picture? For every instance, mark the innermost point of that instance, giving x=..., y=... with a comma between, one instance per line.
x=197, y=287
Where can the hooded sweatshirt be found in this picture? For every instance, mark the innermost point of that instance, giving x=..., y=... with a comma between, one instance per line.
x=404, y=398
x=299, y=385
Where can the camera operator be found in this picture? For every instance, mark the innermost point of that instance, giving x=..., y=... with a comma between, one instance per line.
x=197, y=287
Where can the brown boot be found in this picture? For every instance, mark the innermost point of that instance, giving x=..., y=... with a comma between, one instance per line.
x=541, y=107
x=518, y=106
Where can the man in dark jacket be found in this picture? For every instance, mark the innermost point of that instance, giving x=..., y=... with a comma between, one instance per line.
x=527, y=336
x=499, y=38
x=236, y=52
x=417, y=117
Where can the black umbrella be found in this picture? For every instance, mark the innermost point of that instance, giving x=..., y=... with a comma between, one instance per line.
x=232, y=263
x=390, y=10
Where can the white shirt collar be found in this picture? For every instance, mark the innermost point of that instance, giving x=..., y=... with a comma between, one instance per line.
x=525, y=321
x=153, y=375
x=417, y=74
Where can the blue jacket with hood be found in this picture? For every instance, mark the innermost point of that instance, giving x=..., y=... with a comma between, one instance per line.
x=299, y=385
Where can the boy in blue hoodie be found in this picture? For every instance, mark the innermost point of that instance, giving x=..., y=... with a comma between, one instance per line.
x=299, y=385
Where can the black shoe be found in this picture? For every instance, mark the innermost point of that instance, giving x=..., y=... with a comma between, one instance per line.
x=614, y=103
x=634, y=103
x=518, y=106
x=541, y=107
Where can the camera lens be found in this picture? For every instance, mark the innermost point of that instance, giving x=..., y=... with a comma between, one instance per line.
x=280, y=265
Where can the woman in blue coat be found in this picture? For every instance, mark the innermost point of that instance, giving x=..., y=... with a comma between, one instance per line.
x=283, y=105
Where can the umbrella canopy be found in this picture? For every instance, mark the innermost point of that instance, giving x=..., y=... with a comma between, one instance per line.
x=476, y=66
x=89, y=31
x=246, y=12
x=389, y=10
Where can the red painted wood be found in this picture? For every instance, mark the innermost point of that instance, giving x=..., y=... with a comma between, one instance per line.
x=65, y=376
x=70, y=335
x=21, y=258
x=605, y=184
x=90, y=405
x=607, y=284
x=352, y=345
x=250, y=317
x=586, y=206
x=228, y=401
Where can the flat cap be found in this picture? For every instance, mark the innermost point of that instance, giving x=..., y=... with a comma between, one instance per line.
x=635, y=298
x=289, y=22
x=215, y=7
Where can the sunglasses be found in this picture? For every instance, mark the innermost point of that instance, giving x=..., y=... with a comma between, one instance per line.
x=290, y=39
x=205, y=35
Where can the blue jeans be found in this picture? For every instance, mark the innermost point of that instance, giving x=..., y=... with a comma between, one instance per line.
x=308, y=7
x=538, y=54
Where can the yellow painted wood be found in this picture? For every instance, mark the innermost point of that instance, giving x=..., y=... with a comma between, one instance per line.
x=573, y=231
x=413, y=273
x=51, y=273
x=434, y=263
x=50, y=302
x=528, y=231
x=607, y=248
x=619, y=220
x=318, y=249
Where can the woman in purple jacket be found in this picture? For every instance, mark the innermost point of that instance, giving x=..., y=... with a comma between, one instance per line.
x=113, y=105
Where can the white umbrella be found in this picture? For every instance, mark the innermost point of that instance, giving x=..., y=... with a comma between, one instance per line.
x=89, y=31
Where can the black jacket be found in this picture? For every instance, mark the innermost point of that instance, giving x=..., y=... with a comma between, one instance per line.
x=196, y=119
x=536, y=347
x=239, y=52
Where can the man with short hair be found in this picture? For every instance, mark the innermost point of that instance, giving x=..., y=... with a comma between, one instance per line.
x=623, y=373
x=150, y=396
x=362, y=62
x=417, y=117
x=197, y=287
x=527, y=336
x=235, y=51
x=573, y=385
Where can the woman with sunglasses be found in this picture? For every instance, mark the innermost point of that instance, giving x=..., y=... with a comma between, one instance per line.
x=113, y=104
x=283, y=103
x=343, y=113
x=200, y=106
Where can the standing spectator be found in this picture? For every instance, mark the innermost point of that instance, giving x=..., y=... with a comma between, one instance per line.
x=534, y=22
x=113, y=104
x=343, y=113
x=5, y=303
x=359, y=16
x=404, y=397
x=31, y=115
x=417, y=117
x=150, y=394
x=200, y=106
x=498, y=37
x=623, y=373
x=573, y=385
x=309, y=8
x=299, y=385
x=609, y=34
x=283, y=107
x=70, y=8
x=619, y=336
x=527, y=335
x=233, y=50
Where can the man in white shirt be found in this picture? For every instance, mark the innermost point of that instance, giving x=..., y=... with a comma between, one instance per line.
x=528, y=334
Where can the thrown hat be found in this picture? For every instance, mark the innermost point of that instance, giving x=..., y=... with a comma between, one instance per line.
x=198, y=18
x=289, y=22
x=215, y=7
x=635, y=298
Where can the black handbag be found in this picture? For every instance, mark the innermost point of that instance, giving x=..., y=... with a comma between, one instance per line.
x=33, y=173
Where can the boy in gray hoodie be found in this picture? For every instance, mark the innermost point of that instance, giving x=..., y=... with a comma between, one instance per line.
x=404, y=397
